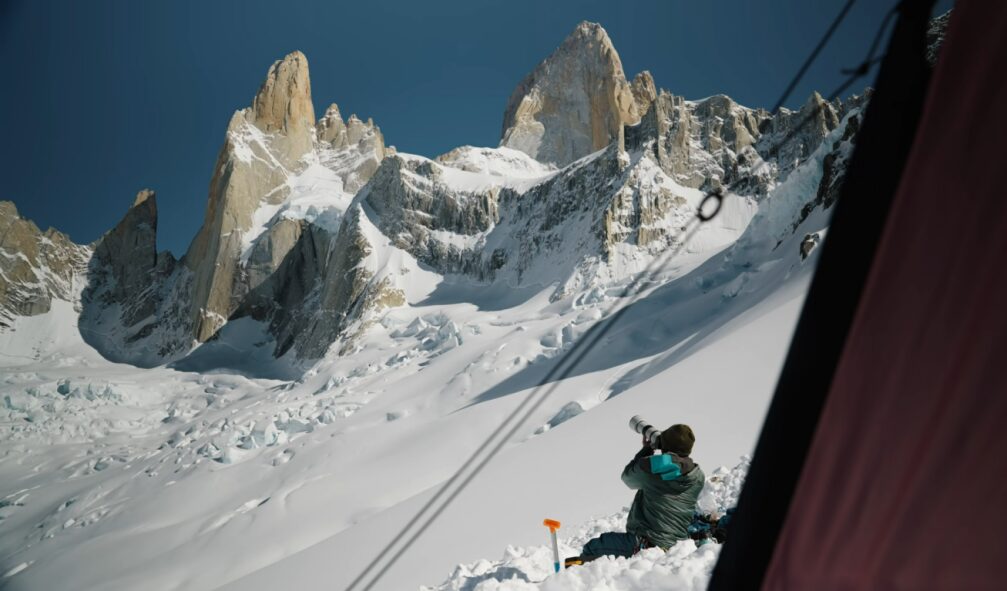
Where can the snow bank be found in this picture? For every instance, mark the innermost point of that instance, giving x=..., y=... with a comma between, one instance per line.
x=684, y=567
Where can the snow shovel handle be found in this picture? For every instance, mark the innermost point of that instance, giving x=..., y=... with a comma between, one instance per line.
x=553, y=525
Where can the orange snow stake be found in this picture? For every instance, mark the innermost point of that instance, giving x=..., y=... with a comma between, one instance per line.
x=553, y=525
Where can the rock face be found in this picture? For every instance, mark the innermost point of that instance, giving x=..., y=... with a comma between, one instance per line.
x=575, y=102
x=35, y=267
x=809, y=244
x=129, y=251
x=698, y=143
x=133, y=305
x=799, y=131
x=350, y=288
x=283, y=107
x=411, y=202
x=644, y=91
x=269, y=146
x=355, y=148
x=263, y=148
x=562, y=228
x=282, y=297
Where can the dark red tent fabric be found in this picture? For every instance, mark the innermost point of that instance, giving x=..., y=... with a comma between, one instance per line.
x=884, y=142
x=905, y=483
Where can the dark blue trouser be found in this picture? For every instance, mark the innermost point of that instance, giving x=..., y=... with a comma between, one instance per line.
x=612, y=544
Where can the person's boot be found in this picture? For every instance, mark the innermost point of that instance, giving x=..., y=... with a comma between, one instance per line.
x=577, y=560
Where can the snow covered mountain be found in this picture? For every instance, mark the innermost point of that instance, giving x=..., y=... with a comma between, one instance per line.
x=35, y=267
x=350, y=321
x=311, y=227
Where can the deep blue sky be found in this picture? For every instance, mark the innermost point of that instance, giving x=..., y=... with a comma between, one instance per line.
x=102, y=99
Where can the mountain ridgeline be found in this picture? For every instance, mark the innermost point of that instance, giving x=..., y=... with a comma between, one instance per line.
x=314, y=227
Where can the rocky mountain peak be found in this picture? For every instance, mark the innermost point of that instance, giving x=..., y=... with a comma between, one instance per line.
x=644, y=91
x=283, y=107
x=35, y=267
x=143, y=197
x=136, y=230
x=8, y=211
x=331, y=125
x=353, y=147
x=341, y=134
x=264, y=144
x=587, y=37
x=129, y=250
x=283, y=102
x=123, y=311
x=575, y=102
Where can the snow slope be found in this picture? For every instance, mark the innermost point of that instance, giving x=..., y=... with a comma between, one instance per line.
x=571, y=472
x=285, y=499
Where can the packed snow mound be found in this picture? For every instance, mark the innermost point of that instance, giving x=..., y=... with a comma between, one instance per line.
x=684, y=567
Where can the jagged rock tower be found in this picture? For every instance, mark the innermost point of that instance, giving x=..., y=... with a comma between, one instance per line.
x=576, y=101
x=264, y=145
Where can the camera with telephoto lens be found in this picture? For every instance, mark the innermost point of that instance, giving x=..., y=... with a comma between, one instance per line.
x=652, y=435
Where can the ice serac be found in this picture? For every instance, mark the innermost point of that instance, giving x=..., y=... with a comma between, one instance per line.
x=575, y=102
x=264, y=146
x=36, y=267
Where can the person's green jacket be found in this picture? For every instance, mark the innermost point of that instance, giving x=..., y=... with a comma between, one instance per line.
x=667, y=486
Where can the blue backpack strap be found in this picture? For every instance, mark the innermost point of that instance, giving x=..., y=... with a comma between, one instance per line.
x=665, y=467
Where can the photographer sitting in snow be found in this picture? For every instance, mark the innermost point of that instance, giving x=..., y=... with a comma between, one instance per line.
x=667, y=484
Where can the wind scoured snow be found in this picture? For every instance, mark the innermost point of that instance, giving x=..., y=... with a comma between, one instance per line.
x=249, y=143
x=473, y=170
x=503, y=162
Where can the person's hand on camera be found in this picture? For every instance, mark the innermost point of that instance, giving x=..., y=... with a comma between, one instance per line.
x=646, y=450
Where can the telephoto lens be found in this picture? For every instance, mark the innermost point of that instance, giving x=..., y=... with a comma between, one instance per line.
x=652, y=435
